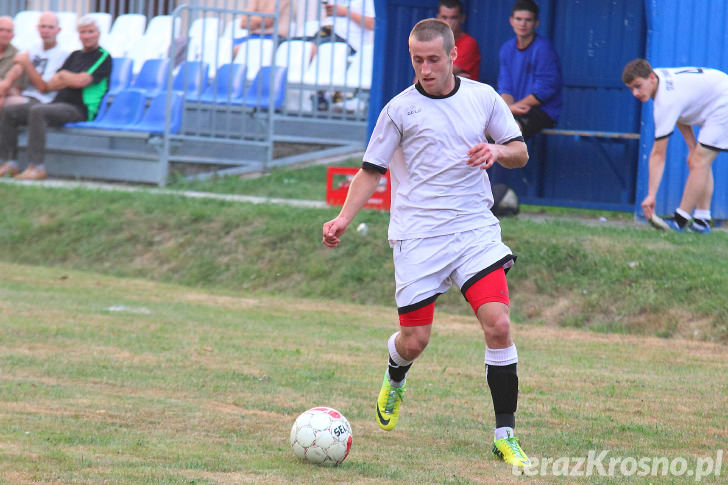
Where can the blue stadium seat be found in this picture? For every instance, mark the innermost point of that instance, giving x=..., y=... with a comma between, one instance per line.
x=153, y=121
x=191, y=78
x=259, y=92
x=127, y=108
x=122, y=72
x=229, y=82
x=152, y=77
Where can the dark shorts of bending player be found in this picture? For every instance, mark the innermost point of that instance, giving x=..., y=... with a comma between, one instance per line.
x=488, y=285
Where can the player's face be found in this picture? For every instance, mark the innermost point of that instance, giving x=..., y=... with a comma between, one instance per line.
x=454, y=18
x=89, y=37
x=433, y=66
x=524, y=23
x=643, y=88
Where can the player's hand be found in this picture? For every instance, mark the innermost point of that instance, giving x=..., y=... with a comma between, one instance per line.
x=520, y=108
x=333, y=231
x=648, y=206
x=483, y=155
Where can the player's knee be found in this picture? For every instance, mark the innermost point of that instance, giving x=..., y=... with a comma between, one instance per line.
x=500, y=325
x=413, y=344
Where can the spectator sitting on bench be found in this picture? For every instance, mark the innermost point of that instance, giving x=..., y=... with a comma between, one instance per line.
x=7, y=51
x=467, y=63
x=529, y=78
x=36, y=66
x=258, y=27
x=81, y=82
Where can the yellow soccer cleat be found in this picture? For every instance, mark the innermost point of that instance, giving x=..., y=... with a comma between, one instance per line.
x=508, y=450
x=388, y=404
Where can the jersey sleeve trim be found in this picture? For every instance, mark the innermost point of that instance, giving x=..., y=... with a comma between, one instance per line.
x=518, y=138
x=373, y=167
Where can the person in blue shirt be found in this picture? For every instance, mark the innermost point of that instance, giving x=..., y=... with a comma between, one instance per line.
x=529, y=78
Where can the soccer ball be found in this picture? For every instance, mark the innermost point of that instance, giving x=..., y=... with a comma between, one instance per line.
x=322, y=436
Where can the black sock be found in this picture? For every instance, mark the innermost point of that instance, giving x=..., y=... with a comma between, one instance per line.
x=397, y=373
x=503, y=384
x=681, y=221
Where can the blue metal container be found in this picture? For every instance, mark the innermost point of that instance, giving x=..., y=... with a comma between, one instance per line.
x=595, y=39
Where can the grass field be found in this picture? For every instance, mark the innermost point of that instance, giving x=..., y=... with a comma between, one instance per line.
x=610, y=278
x=149, y=338
x=117, y=380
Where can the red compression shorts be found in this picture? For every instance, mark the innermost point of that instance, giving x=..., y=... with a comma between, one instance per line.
x=491, y=287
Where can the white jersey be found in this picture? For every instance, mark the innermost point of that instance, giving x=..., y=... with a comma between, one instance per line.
x=690, y=96
x=424, y=141
x=46, y=62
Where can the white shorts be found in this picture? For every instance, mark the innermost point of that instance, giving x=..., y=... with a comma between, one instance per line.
x=426, y=267
x=714, y=135
x=714, y=132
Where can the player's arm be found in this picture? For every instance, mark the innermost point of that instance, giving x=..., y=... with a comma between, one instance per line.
x=688, y=134
x=22, y=62
x=342, y=11
x=513, y=154
x=656, y=169
x=66, y=79
x=508, y=98
x=7, y=82
x=362, y=187
x=524, y=105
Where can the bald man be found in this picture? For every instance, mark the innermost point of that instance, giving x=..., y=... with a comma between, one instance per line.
x=7, y=50
x=36, y=66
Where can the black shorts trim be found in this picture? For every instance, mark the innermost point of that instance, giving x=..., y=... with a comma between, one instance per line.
x=715, y=149
x=665, y=136
x=481, y=274
x=374, y=167
x=418, y=305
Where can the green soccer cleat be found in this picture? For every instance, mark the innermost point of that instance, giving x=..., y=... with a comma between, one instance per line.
x=388, y=404
x=508, y=450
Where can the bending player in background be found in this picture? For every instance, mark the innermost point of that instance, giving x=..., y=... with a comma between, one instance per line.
x=683, y=96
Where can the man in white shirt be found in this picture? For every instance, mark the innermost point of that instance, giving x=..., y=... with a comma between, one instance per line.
x=351, y=20
x=39, y=63
x=432, y=136
x=683, y=96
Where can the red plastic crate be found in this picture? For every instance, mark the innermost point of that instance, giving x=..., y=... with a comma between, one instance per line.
x=337, y=186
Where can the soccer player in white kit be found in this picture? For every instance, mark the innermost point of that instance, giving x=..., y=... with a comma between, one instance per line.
x=432, y=138
x=683, y=96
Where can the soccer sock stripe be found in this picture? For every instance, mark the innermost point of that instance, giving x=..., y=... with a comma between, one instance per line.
x=398, y=365
x=702, y=217
x=681, y=217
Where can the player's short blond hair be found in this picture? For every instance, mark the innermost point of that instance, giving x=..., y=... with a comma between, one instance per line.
x=636, y=68
x=430, y=29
